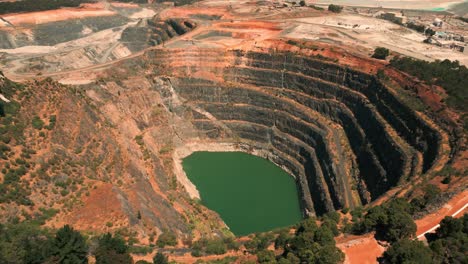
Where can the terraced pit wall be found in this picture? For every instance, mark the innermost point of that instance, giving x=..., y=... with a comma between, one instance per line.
x=155, y=32
x=344, y=136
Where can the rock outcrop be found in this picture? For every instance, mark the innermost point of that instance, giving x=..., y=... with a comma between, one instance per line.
x=154, y=32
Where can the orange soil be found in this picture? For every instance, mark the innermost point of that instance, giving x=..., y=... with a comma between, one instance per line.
x=99, y=208
x=461, y=161
x=429, y=221
x=342, y=54
x=250, y=25
x=85, y=10
x=184, y=12
x=361, y=250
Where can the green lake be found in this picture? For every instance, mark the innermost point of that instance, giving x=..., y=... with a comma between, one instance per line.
x=251, y=194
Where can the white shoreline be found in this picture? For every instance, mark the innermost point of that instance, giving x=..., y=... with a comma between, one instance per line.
x=187, y=149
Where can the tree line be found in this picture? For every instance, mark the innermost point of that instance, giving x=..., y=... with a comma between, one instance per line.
x=25, y=242
x=393, y=222
x=450, y=75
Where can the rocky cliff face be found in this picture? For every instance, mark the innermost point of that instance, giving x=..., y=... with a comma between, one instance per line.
x=344, y=135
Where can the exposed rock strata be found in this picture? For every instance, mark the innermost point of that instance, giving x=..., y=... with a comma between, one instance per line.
x=342, y=133
x=154, y=32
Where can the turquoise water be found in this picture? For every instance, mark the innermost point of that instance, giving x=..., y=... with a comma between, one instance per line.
x=250, y=193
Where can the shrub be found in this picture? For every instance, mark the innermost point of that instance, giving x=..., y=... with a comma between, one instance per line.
x=447, y=180
x=215, y=247
x=316, y=7
x=450, y=75
x=141, y=250
x=391, y=221
x=37, y=123
x=450, y=240
x=166, y=239
x=381, y=53
x=335, y=8
x=417, y=27
x=52, y=121
x=139, y=140
x=407, y=251
x=282, y=239
x=312, y=244
x=69, y=246
x=112, y=250
x=265, y=256
x=160, y=258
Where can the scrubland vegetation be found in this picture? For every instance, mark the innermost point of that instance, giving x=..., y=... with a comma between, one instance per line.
x=450, y=75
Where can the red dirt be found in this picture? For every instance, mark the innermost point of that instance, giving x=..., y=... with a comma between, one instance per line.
x=361, y=249
x=432, y=220
x=184, y=12
x=102, y=206
x=250, y=25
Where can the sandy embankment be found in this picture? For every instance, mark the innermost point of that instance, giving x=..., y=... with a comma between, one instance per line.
x=186, y=150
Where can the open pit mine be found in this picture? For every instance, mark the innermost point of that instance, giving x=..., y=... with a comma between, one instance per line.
x=100, y=104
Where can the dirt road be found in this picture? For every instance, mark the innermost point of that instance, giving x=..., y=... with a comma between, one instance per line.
x=455, y=207
x=365, y=249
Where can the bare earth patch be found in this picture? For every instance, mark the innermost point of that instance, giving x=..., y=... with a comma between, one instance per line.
x=87, y=10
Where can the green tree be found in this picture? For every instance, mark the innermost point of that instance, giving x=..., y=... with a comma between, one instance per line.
x=380, y=53
x=265, y=256
x=69, y=246
x=290, y=259
x=37, y=123
x=313, y=244
x=450, y=241
x=112, y=250
x=391, y=221
x=282, y=239
x=24, y=243
x=302, y=3
x=400, y=225
x=450, y=75
x=375, y=217
x=407, y=251
x=160, y=258
x=330, y=255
